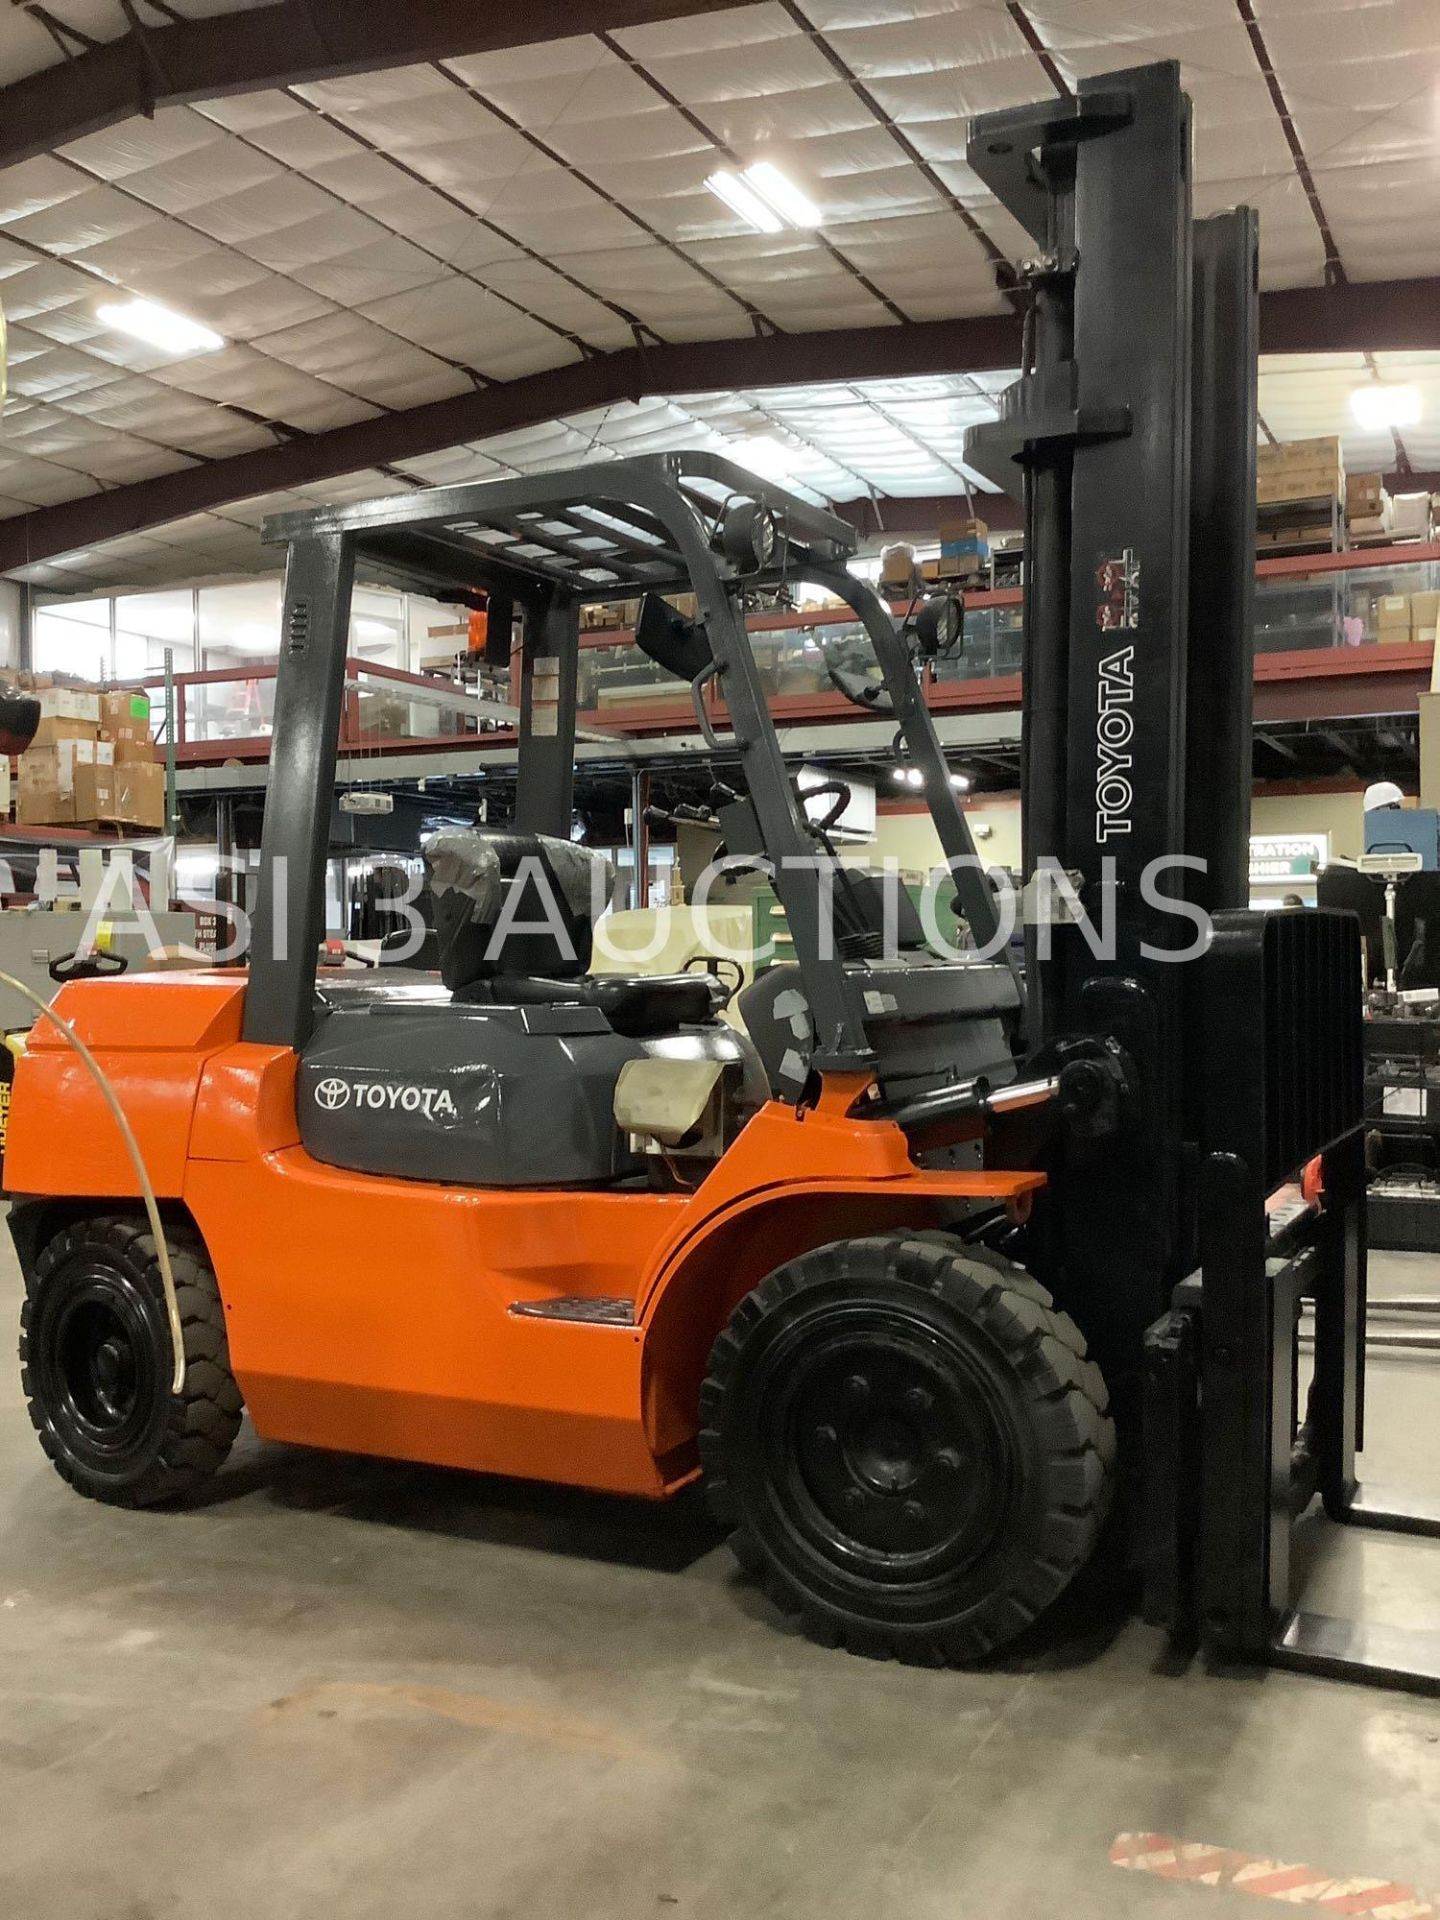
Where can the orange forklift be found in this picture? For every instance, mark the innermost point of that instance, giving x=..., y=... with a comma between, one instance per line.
x=529, y=1219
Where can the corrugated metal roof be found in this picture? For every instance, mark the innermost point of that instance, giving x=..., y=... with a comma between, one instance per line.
x=383, y=240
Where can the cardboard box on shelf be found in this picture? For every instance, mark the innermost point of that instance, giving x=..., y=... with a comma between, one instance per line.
x=122, y=705
x=1368, y=524
x=1424, y=617
x=1392, y=615
x=94, y=795
x=139, y=795
x=1364, y=495
x=964, y=548
x=125, y=719
x=1296, y=483
x=54, y=766
x=1301, y=453
x=145, y=751
x=38, y=806
x=52, y=730
x=1299, y=470
x=1306, y=536
x=69, y=703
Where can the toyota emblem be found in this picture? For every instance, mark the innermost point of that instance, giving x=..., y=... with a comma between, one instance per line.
x=332, y=1095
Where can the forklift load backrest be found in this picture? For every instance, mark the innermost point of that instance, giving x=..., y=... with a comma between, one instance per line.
x=513, y=903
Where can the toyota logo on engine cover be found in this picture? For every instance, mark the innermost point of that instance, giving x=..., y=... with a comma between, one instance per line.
x=332, y=1095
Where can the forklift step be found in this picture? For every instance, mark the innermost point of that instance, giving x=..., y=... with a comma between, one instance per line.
x=599, y=1311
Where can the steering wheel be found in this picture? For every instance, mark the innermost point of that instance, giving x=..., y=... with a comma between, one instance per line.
x=711, y=964
x=863, y=685
x=87, y=964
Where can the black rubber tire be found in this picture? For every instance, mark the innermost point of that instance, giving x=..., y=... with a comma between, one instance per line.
x=96, y=1361
x=909, y=1444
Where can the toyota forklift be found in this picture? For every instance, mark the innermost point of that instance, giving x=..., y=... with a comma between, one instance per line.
x=942, y=1257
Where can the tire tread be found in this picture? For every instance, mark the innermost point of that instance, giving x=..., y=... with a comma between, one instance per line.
x=204, y=1419
x=1069, y=1406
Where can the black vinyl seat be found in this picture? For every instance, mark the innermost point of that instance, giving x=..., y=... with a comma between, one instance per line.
x=514, y=921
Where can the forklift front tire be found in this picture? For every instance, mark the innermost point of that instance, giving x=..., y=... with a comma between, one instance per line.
x=96, y=1363
x=910, y=1445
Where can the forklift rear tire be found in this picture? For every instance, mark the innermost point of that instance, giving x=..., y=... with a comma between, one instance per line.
x=910, y=1445
x=96, y=1361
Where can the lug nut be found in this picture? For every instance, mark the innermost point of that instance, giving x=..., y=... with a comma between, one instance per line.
x=917, y=1400
x=826, y=1437
x=853, y=1500
x=914, y=1512
x=857, y=1387
x=948, y=1460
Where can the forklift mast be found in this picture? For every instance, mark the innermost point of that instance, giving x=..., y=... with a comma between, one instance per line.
x=1130, y=436
x=1229, y=1197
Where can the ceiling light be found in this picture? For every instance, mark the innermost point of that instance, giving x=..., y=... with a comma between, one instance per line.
x=961, y=782
x=793, y=206
x=157, y=326
x=742, y=198
x=1378, y=406
x=898, y=775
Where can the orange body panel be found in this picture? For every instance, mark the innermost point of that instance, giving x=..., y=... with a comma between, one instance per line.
x=374, y=1315
x=152, y=1034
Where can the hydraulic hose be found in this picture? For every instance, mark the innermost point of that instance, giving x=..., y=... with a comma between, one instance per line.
x=132, y=1147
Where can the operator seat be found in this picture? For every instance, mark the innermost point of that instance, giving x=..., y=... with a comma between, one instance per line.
x=514, y=921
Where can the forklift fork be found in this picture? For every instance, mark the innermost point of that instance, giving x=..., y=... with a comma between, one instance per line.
x=1234, y=1461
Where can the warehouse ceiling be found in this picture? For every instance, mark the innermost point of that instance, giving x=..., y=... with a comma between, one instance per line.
x=418, y=270
x=891, y=441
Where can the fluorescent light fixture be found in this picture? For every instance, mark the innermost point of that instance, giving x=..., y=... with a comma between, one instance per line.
x=1378, y=406
x=742, y=198
x=793, y=206
x=907, y=777
x=961, y=782
x=157, y=326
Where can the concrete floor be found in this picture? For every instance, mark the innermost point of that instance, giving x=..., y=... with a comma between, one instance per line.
x=375, y=1690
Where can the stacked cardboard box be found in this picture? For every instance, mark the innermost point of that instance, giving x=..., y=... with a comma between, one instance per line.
x=1392, y=618
x=1299, y=470
x=136, y=796
x=67, y=737
x=92, y=761
x=1424, y=617
x=964, y=549
x=899, y=575
x=1366, y=503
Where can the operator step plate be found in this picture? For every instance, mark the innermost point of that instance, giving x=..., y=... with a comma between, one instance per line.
x=603, y=1311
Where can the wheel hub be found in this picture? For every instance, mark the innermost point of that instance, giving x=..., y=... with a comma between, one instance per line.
x=98, y=1366
x=887, y=1452
x=894, y=1458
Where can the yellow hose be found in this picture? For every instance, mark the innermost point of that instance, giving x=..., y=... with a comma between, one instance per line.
x=132, y=1147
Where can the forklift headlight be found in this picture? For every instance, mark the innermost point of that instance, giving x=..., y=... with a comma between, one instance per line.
x=940, y=623
x=749, y=536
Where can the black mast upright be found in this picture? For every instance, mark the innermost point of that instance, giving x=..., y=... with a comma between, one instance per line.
x=1099, y=430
